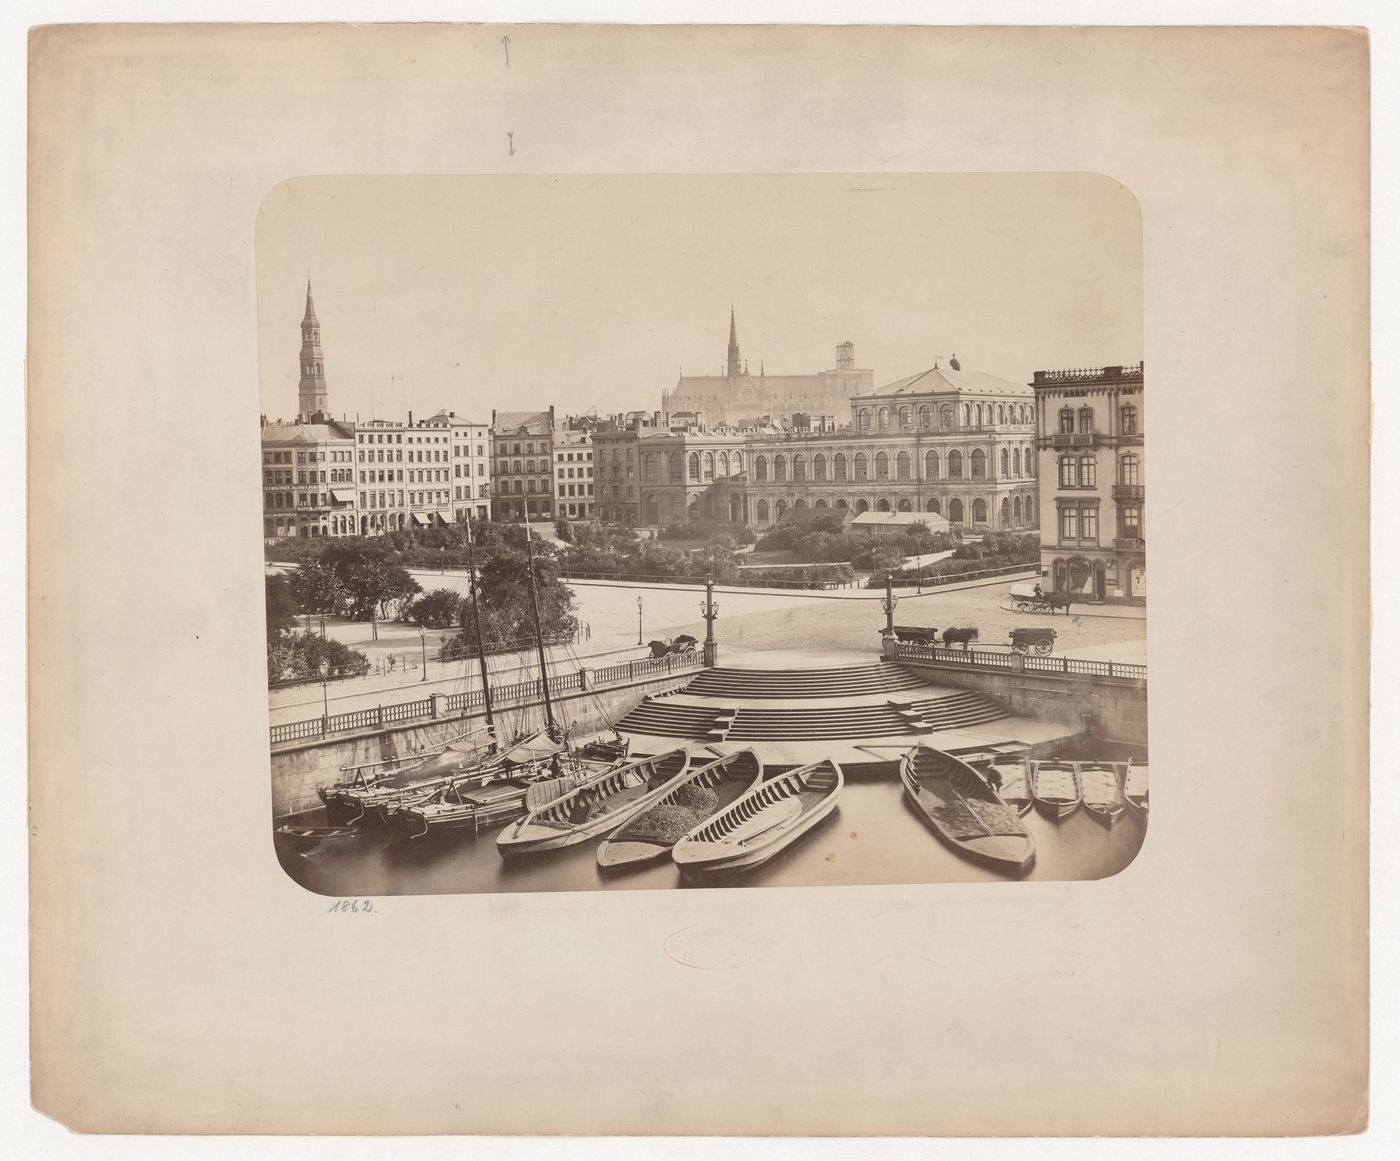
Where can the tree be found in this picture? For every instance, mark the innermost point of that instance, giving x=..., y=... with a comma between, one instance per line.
x=439, y=609
x=281, y=604
x=564, y=530
x=317, y=587
x=506, y=616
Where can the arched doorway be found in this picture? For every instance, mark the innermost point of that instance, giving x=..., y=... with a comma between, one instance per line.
x=842, y=505
x=861, y=506
x=1016, y=510
x=1005, y=512
x=979, y=511
x=736, y=510
x=653, y=509
x=905, y=505
x=935, y=506
x=819, y=504
x=955, y=511
x=799, y=504
x=882, y=505
x=763, y=511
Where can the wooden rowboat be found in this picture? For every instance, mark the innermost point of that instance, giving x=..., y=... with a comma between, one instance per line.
x=1103, y=796
x=1014, y=771
x=1056, y=788
x=603, y=804
x=963, y=810
x=762, y=822
x=701, y=794
x=1135, y=785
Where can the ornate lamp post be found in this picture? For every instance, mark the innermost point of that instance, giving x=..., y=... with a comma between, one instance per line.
x=639, y=620
x=709, y=610
x=423, y=637
x=888, y=605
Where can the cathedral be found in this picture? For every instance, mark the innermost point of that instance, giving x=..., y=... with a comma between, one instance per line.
x=739, y=399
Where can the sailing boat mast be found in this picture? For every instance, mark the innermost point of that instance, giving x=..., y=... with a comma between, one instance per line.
x=480, y=633
x=550, y=726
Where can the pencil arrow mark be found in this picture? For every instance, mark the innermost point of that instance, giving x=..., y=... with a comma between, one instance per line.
x=505, y=40
x=510, y=143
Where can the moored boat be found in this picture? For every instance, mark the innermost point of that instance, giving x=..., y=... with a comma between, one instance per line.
x=594, y=808
x=963, y=810
x=1103, y=796
x=1135, y=785
x=701, y=793
x=1056, y=788
x=762, y=822
x=1009, y=775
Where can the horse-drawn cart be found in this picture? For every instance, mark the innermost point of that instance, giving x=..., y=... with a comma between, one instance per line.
x=1024, y=640
x=1028, y=601
x=685, y=643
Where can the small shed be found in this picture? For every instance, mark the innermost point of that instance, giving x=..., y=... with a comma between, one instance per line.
x=894, y=523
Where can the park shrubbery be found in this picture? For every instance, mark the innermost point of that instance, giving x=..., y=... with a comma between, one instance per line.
x=302, y=656
x=995, y=550
x=728, y=534
x=807, y=574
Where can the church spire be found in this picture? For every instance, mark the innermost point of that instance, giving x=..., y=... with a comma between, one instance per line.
x=733, y=345
x=311, y=392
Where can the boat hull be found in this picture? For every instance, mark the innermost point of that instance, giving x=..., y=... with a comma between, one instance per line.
x=935, y=782
x=631, y=854
x=719, y=865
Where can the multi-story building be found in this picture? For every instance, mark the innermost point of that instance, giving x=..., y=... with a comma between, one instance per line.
x=308, y=478
x=469, y=464
x=522, y=475
x=573, y=469
x=737, y=399
x=1093, y=538
x=615, y=466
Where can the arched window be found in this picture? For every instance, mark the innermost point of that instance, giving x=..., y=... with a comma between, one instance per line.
x=967, y=415
x=861, y=506
x=882, y=505
x=677, y=469
x=819, y=504
x=955, y=511
x=884, y=419
x=979, y=464
x=722, y=464
x=649, y=467
x=1016, y=461
x=760, y=468
x=882, y=466
x=904, y=417
x=1129, y=469
x=925, y=416
x=1086, y=420
x=796, y=504
x=905, y=505
x=799, y=468
x=738, y=462
x=694, y=465
x=819, y=467
x=1001, y=413
x=1128, y=419
x=931, y=466
x=979, y=511
x=1027, y=462
x=955, y=465
x=1016, y=509
x=1005, y=512
x=862, y=467
x=762, y=511
x=842, y=505
x=977, y=414
x=901, y=466
x=1069, y=477
x=839, y=466
x=779, y=469
x=1066, y=421
x=945, y=416
x=1005, y=463
x=709, y=465
x=779, y=509
x=863, y=419
x=935, y=506
x=653, y=510
x=1088, y=472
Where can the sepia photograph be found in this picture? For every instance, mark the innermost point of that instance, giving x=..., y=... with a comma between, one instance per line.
x=567, y=590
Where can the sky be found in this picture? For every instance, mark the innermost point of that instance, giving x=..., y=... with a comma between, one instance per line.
x=594, y=292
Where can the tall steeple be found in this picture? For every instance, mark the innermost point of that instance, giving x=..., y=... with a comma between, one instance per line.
x=733, y=345
x=311, y=392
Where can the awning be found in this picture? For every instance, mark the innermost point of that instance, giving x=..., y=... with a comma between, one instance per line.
x=419, y=518
x=342, y=496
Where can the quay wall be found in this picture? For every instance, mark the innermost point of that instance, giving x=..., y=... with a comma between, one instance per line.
x=1110, y=709
x=299, y=768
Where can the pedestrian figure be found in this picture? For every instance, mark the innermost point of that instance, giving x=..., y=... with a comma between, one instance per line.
x=994, y=778
x=1038, y=593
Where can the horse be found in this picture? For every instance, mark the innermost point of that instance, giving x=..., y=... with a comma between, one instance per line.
x=950, y=636
x=1058, y=601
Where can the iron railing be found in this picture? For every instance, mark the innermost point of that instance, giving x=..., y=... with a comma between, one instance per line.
x=983, y=659
x=378, y=717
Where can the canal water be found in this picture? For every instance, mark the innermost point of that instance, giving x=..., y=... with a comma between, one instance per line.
x=873, y=836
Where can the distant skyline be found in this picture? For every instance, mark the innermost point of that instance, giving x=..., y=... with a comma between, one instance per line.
x=473, y=293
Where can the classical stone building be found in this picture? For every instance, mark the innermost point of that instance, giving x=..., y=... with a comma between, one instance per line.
x=522, y=475
x=308, y=478
x=1093, y=538
x=573, y=469
x=735, y=398
x=946, y=441
x=469, y=464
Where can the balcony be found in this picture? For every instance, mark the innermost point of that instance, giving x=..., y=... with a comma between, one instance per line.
x=1129, y=544
x=1128, y=492
x=1075, y=439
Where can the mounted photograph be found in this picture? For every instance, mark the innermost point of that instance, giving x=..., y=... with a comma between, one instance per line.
x=567, y=591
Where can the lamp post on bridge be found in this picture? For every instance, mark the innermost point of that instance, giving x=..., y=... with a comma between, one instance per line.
x=888, y=605
x=639, y=620
x=709, y=610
